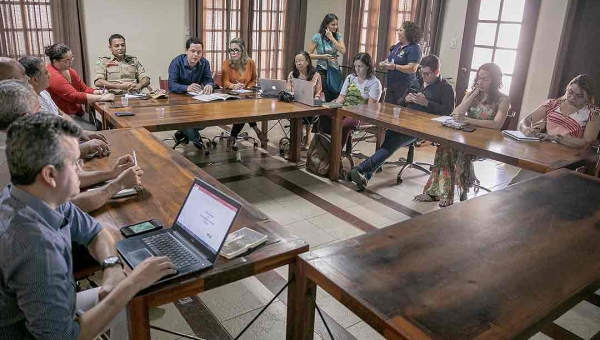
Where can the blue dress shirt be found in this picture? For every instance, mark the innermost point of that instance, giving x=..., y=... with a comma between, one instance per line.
x=37, y=289
x=181, y=75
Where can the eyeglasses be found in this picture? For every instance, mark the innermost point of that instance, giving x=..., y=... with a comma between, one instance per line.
x=234, y=50
x=70, y=60
x=426, y=74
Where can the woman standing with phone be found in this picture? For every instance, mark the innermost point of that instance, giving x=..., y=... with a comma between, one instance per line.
x=324, y=47
x=402, y=62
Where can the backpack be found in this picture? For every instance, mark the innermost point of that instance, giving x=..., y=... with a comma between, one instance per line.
x=317, y=158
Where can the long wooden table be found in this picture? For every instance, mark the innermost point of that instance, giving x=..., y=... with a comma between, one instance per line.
x=500, y=266
x=540, y=157
x=166, y=180
x=213, y=114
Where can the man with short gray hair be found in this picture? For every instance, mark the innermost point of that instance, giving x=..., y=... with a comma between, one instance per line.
x=16, y=100
x=38, y=223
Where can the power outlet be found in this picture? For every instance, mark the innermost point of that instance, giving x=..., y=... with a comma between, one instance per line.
x=453, y=43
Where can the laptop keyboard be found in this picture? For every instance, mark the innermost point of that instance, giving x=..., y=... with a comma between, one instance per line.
x=167, y=245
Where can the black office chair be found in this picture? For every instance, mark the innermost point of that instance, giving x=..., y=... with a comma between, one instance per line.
x=199, y=145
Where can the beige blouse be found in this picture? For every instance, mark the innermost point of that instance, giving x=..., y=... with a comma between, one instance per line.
x=316, y=80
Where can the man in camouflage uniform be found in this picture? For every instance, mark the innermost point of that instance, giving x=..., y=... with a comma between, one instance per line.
x=120, y=73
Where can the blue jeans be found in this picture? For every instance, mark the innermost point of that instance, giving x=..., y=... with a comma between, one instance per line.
x=192, y=134
x=391, y=143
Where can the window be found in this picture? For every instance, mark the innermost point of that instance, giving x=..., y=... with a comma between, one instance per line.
x=221, y=24
x=267, y=37
x=224, y=20
x=405, y=10
x=497, y=37
x=26, y=28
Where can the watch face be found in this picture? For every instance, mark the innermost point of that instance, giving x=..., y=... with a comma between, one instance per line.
x=111, y=260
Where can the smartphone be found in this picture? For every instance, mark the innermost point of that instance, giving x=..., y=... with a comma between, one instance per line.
x=123, y=114
x=468, y=128
x=140, y=228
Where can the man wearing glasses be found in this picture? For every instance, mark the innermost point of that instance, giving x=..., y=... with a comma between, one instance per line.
x=120, y=73
x=432, y=95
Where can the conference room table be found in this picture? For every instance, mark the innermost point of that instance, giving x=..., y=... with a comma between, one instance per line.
x=499, y=266
x=194, y=115
x=161, y=199
x=536, y=156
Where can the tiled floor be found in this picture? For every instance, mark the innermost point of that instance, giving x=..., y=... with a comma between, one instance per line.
x=322, y=213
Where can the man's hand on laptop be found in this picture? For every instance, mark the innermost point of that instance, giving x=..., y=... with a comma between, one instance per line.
x=150, y=271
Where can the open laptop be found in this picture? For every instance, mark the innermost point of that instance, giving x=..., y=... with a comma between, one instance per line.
x=304, y=92
x=196, y=237
x=272, y=87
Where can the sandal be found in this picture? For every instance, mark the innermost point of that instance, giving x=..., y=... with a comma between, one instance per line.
x=444, y=202
x=426, y=198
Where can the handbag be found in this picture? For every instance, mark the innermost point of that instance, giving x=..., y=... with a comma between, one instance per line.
x=317, y=158
x=334, y=78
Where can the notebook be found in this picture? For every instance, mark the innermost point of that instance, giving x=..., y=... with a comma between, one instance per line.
x=241, y=241
x=519, y=136
x=214, y=96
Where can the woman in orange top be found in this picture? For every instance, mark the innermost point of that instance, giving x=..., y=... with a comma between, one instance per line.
x=239, y=72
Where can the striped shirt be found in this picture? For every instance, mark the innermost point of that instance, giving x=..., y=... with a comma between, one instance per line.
x=572, y=125
x=37, y=289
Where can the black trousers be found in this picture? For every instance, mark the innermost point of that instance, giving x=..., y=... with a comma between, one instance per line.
x=236, y=128
x=329, y=95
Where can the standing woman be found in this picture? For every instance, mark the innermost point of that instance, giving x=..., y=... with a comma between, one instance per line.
x=402, y=62
x=239, y=72
x=304, y=69
x=324, y=48
x=484, y=107
x=66, y=88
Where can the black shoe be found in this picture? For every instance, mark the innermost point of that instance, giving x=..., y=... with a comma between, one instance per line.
x=359, y=179
x=198, y=144
x=180, y=138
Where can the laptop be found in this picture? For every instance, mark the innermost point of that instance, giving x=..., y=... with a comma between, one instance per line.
x=304, y=92
x=272, y=87
x=194, y=240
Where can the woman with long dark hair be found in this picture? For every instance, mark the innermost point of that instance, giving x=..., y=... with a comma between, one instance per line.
x=485, y=107
x=402, y=62
x=304, y=69
x=325, y=48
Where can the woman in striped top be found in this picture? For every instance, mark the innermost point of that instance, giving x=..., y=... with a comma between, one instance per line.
x=572, y=120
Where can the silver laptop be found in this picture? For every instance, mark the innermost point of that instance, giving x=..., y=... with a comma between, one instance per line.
x=304, y=92
x=194, y=240
x=272, y=87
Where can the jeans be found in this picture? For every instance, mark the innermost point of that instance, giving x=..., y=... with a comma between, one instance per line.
x=395, y=92
x=237, y=128
x=192, y=134
x=391, y=143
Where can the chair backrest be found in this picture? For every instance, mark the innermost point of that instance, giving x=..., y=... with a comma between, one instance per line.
x=217, y=78
x=163, y=84
x=509, y=117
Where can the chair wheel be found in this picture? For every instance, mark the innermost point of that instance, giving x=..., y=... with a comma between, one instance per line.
x=234, y=148
x=281, y=152
x=255, y=145
x=399, y=180
x=214, y=144
x=206, y=153
x=379, y=170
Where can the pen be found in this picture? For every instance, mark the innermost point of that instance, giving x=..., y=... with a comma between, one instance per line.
x=103, y=89
x=134, y=159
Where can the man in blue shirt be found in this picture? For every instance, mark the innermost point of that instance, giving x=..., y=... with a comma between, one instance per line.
x=431, y=94
x=190, y=72
x=37, y=225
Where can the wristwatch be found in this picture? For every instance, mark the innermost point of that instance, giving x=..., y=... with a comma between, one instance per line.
x=111, y=261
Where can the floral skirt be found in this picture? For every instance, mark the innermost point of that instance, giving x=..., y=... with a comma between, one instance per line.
x=450, y=167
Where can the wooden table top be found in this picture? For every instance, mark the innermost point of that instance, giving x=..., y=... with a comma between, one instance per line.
x=499, y=266
x=208, y=114
x=166, y=180
x=174, y=99
x=535, y=156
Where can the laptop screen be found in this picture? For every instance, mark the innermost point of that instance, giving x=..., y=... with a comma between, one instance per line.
x=206, y=216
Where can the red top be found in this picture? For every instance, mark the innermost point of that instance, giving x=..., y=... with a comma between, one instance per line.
x=68, y=96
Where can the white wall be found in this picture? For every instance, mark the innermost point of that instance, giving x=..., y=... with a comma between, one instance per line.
x=155, y=31
x=543, y=56
x=316, y=11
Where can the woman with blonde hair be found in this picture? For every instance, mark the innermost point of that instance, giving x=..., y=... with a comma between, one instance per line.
x=239, y=72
